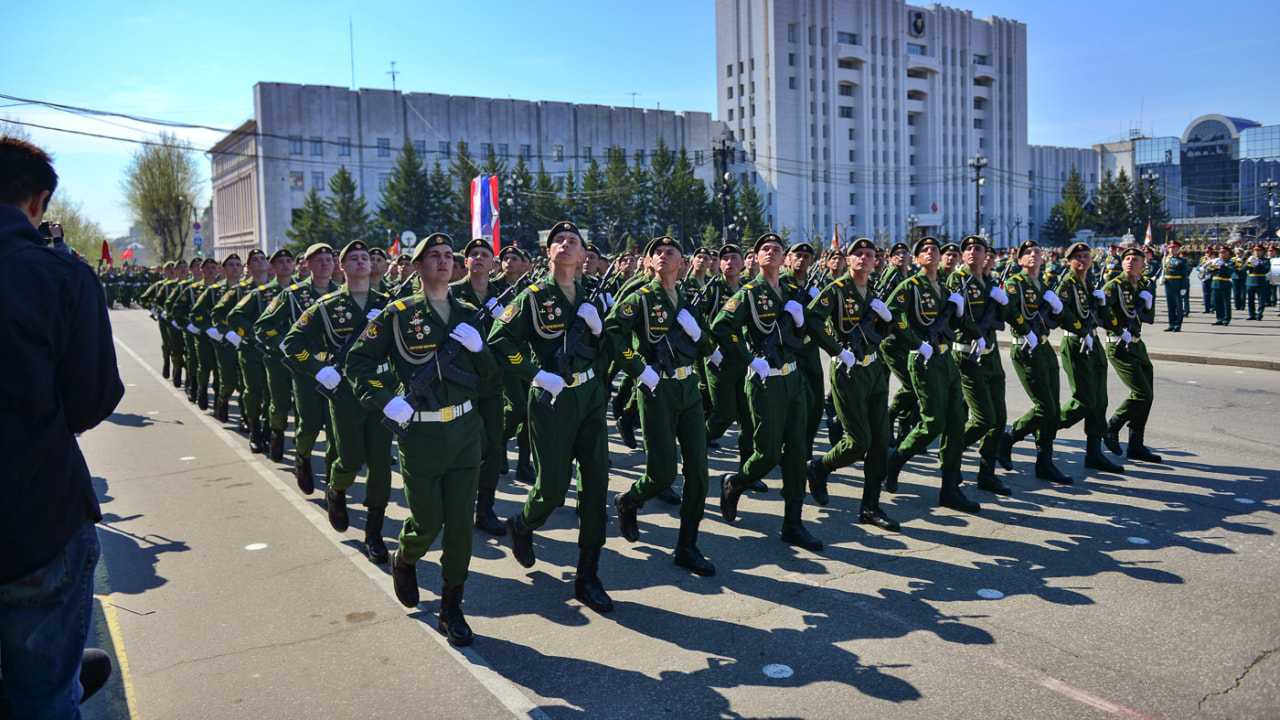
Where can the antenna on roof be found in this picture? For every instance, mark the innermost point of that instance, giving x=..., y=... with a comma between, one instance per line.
x=351, y=36
x=393, y=73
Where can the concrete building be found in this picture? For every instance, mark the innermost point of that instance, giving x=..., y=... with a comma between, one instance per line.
x=1047, y=175
x=301, y=134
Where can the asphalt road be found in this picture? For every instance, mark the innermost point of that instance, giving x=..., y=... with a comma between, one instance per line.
x=1148, y=594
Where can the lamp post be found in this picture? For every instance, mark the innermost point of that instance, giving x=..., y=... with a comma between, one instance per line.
x=513, y=186
x=726, y=191
x=977, y=162
x=912, y=222
x=1150, y=179
x=1270, y=187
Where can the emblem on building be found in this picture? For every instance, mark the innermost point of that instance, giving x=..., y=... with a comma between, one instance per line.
x=915, y=19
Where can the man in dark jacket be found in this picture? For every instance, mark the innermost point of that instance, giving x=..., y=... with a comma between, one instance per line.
x=58, y=377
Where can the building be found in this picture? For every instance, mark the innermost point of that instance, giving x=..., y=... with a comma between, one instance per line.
x=866, y=113
x=301, y=134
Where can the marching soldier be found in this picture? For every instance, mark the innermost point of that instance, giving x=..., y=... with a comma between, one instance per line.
x=1176, y=277
x=228, y=351
x=255, y=400
x=800, y=259
x=904, y=407
x=1126, y=301
x=515, y=391
x=1257, y=268
x=440, y=454
x=1222, y=269
x=727, y=374
x=529, y=339
x=233, y=287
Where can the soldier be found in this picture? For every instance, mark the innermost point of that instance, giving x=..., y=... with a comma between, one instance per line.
x=669, y=342
x=950, y=261
x=761, y=326
x=1176, y=278
x=904, y=408
x=572, y=425
x=1030, y=307
x=225, y=354
x=314, y=344
x=378, y=267
x=153, y=300
x=977, y=358
x=184, y=311
x=919, y=305
x=257, y=374
x=859, y=383
x=1222, y=270
x=440, y=454
x=1205, y=270
x=1257, y=268
x=1239, y=277
x=1126, y=301
x=726, y=376
x=1084, y=310
x=515, y=391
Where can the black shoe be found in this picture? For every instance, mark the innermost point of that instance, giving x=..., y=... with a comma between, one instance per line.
x=896, y=462
x=521, y=540
x=177, y=377
x=987, y=479
x=303, y=474
x=627, y=507
x=670, y=495
x=404, y=578
x=374, y=546
x=618, y=406
x=818, y=472
x=1112, y=438
x=336, y=503
x=758, y=487
x=952, y=497
x=452, y=623
x=255, y=436
x=730, y=492
x=243, y=421
x=165, y=371
x=1004, y=454
x=687, y=554
x=486, y=520
x=586, y=585
x=202, y=397
x=714, y=445
x=627, y=429
x=524, y=467
x=1137, y=450
x=277, y=446
x=1046, y=470
x=875, y=516
x=835, y=432
x=1095, y=459
x=793, y=531
x=1169, y=329
x=95, y=670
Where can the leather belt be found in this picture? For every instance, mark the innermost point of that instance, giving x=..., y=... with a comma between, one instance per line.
x=783, y=371
x=579, y=378
x=867, y=360
x=940, y=349
x=1113, y=339
x=684, y=372
x=1023, y=340
x=443, y=415
x=968, y=348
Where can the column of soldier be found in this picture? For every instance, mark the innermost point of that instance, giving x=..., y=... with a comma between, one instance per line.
x=454, y=361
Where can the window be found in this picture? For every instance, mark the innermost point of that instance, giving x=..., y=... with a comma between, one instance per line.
x=444, y=149
x=846, y=90
x=344, y=146
x=751, y=63
x=753, y=87
x=485, y=149
x=845, y=38
x=526, y=152
x=739, y=66
x=911, y=159
x=742, y=90
x=791, y=85
x=742, y=157
x=979, y=103
x=977, y=123
x=846, y=64
x=850, y=156
x=851, y=135
x=791, y=59
x=384, y=147
x=295, y=144
x=317, y=145
x=911, y=140
x=753, y=109
x=730, y=114
x=846, y=111
x=317, y=181
x=728, y=70
x=383, y=179
x=791, y=32
x=557, y=153
x=853, y=198
x=730, y=92
x=697, y=157
x=639, y=157
x=916, y=49
x=981, y=59
x=295, y=178
x=502, y=150
x=586, y=152
x=853, y=176
x=420, y=147
x=982, y=142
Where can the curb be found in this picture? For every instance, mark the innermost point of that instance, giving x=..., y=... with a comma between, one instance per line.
x=1241, y=361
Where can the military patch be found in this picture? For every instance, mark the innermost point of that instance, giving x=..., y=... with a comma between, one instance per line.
x=628, y=310
x=825, y=301
x=304, y=320
x=902, y=298
x=731, y=304
x=371, y=332
x=508, y=313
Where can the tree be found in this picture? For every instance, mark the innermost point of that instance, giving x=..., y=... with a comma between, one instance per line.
x=1054, y=231
x=311, y=224
x=161, y=187
x=1114, y=216
x=349, y=212
x=1148, y=207
x=439, y=200
x=406, y=202
x=463, y=169
x=748, y=211
x=518, y=225
x=82, y=234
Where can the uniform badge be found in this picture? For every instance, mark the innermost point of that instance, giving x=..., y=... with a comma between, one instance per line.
x=304, y=320
x=508, y=313
x=371, y=332
x=730, y=305
x=629, y=310
x=825, y=301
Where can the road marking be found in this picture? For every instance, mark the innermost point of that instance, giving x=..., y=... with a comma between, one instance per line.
x=1246, y=501
x=776, y=671
x=102, y=582
x=505, y=691
x=189, y=457
x=1139, y=541
x=990, y=594
x=256, y=546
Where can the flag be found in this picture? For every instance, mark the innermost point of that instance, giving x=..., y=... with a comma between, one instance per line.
x=106, y=252
x=934, y=207
x=127, y=254
x=484, y=210
x=835, y=239
x=395, y=249
x=1148, y=240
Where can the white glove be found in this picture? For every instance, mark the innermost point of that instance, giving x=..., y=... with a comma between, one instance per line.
x=372, y=315
x=649, y=378
x=587, y=312
x=1146, y=298
x=716, y=358
x=281, y=346
x=1126, y=337
x=1088, y=342
x=926, y=351
x=982, y=345
x=690, y=324
x=1032, y=341
x=398, y=410
x=1184, y=292
x=491, y=303
x=999, y=295
x=213, y=333
x=1100, y=295
x=879, y=308
x=233, y=337
x=760, y=367
x=847, y=358
x=468, y=336
x=164, y=315
x=153, y=313
x=796, y=310
x=550, y=382
x=1051, y=297
x=497, y=311
x=191, y=328
x=328, y=377
x=608, y=300
x=958, y=300
x=813, y=292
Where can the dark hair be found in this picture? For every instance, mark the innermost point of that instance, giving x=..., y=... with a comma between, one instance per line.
x=25, y=172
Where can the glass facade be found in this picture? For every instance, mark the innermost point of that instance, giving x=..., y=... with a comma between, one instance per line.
x=1260, y=143
x=1152, y=151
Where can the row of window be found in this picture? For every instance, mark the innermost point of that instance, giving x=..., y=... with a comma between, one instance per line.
x=843, y=38
x=444, y=150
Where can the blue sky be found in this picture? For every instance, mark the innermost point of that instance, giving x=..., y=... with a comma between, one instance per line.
x=1095, y=69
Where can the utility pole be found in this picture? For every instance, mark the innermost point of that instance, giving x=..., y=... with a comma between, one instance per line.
x=393, y=73
x=1150, y=179
x=1270, y=187
x=977, y=162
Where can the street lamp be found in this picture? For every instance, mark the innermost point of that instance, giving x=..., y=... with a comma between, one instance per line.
x=513, y=186
x=912, y=221
x=725, y=189
x=1150, y=179
x=1270, y=187
x=977, y=162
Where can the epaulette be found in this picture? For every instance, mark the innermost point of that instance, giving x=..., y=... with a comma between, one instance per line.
x=534, y=288
x=263, y=286
x=467, y=305
x=326, y=296
x=293, y=287
x=398, y=305
x=645, y=290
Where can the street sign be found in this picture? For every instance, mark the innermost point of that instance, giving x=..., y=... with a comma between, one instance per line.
x=195, y=226
x=408, y=239
x=198, y=241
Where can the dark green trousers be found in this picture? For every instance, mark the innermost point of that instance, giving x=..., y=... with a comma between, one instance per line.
x=253, y=399
x=728, y=388
x=862, y=404
x=280, y=387
x=809, y=362
x=675, y=414
x=311, y=416
x=361, y=439
x=1038, y=373
x=515, y=405
x=1087, y=376
x=493, y=448
x=1134, y=368
x=983, y=385
x=1173, y=300
x=942, y=409
x=440, y=467
x=904, y=401
x=228, y=371
x=778, y=413
x=1222, y=301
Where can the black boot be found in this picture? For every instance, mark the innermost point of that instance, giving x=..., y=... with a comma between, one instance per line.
x=619, y=405
x=952, y=497
x=277, y=446
x=165, y=371
x=521, y=540
x=894, y=468
x=255, y=436
x=818, y=472
x=202, y=397
x=987, y=479
x=730, y=492
x=586, y=586
x=793, y=532
x=524, y=468
x=670, y=495
x=404, y=578
x=452, y=623
x=1112, y=438
x=1139, y=451
x=486, y=520
x=303, y=474
x=627, y=506
x=627, y=429
x=374, y=546
x=687, y=555
x=226, y=410
x=1095, y=459
x=758, y=487
x=336, y=502
x=1004, y=454
x=1045, y=469
x=177, y=377
x=244, y=419
x=870, y=512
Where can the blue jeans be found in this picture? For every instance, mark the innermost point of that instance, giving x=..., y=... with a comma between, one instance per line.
x=44, y=620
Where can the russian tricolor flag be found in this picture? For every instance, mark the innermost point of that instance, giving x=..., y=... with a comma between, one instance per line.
x=484, y=210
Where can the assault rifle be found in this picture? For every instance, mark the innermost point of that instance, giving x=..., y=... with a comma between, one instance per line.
x=339, y=359
x=941, y=329
x=665, y=354
x=863, y=334
x=574, y=344
x=987, y=323
x=1140, y=315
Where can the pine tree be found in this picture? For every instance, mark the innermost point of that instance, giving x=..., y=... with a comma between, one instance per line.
x=349, y=212
x=439, y=200
x=463, y=169
x=593, y=188
x=406, y=202
x=519, y=225
x=748, y=208
x=544, y=207
x=310, y=225
x=1054, y=231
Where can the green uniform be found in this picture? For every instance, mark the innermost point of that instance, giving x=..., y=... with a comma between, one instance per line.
x=358, y=433
x=253, y=369
x=727, y=383
x=897, y=355
x=1129, y=359
x=493, y=448
x=1222, y=270
x=202, y=318
x=181, y=298
x=1037, y=367
x=1177, y=286
x=809, y=362
x=229, y=356
x=982, y=379
x=1085, y=366
x=1256, y=285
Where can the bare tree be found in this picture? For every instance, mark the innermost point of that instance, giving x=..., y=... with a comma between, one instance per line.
x=160, y=187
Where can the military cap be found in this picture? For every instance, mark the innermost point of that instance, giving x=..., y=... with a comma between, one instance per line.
x=800, y=247
x=229, y=258
x=1224, y=249
x=378, y=252
x=459, y=258
x=925, y=242
x=728, y=249
x=509, y=250
x=1174, y=243
x=254, y=253
x=860, y=244
x=1184, y=253
x=170, y=265
x=767, y=238
x=1026, y=246
x=591, y=248
x=1079, y=247
x=1259, y=246
x=195, y=262
x=701, y=251
x=477, y=243
x=281, y=253
x=317, y=249
x=564, y=226
x=661, y=242
x=432, y=240
x=897, y=246
x=353, y=245
x=973, y=240
x=1135, y=251
x=950, y=247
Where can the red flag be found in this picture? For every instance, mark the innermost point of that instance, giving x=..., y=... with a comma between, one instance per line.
x=934, y=207
x=395, y=249
x=106, y=252
x=835, y=238
x=127, y=254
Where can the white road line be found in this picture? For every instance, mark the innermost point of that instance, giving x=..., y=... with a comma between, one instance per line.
x=506, y=692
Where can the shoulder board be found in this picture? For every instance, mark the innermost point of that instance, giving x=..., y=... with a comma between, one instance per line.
x=263, y=286
x=293, y=286
x=333, y=294
x=466, y=304
x=399, y=305
x=534, y=288
x=915, y=281
x=840, y=283
x=645, y=290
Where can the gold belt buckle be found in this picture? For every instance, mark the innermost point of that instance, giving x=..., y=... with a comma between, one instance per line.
x=786, y=368
x=446, y=414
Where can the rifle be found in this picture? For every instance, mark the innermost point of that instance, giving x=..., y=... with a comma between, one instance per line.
x=863, y=334
x=339, y=358
x=987, y=323
x=1140, y=315
x=574, y=344
x=665, y=355
x=941, y=328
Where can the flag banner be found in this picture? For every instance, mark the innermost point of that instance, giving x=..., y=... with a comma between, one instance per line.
x=127, y=254
x=835, y=238
x=395, y=249
x=1148, y=240
x=484, y=210
x=106, y=252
